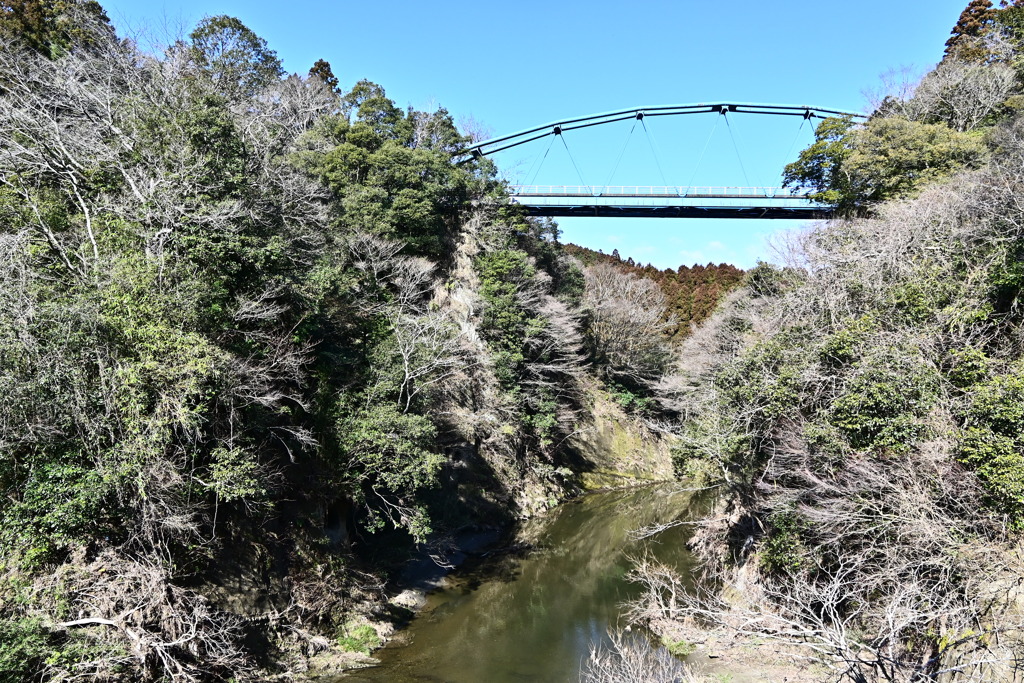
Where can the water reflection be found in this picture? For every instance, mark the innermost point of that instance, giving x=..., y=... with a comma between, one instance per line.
x=533, y=616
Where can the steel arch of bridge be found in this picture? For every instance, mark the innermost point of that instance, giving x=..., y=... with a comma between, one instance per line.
x=558, y=127
x=655, y=202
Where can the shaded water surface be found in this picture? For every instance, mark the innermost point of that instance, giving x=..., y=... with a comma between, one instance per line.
x=534, y=616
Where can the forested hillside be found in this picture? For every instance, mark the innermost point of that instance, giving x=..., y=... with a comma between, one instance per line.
x=863, y=402
x=692, y=292
x=250, y=324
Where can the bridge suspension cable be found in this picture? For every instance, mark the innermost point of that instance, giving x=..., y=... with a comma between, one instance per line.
x=668, y=201
x=559, y=127
x=739, y=157
x=654, y=150
x=793, y=143
x=541, y=164
x=574, y=165
x=704, y=151
x=622, y=152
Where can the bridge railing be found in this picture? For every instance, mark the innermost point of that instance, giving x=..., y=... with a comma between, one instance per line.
x=654, y=191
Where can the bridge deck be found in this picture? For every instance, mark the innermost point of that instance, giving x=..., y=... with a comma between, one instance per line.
x=667, y=202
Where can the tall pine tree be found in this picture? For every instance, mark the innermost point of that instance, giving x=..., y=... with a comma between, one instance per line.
x=975, y=21
x=322, y=70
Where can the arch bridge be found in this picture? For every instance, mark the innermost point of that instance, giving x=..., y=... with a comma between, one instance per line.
x=668, y=201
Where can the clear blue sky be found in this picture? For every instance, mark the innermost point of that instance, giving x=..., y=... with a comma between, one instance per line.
x=511, y=66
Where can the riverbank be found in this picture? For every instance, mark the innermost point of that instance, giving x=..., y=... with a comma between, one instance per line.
x=536, y=611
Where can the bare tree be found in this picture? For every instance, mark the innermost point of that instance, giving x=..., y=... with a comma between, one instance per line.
x=961, y=93
x=169, y=632
x=630, y=658
x=430, y=351
x=626, y=321
x=896, y=87
x=476, y=130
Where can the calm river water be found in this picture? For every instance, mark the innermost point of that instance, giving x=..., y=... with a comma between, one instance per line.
x=535, y=616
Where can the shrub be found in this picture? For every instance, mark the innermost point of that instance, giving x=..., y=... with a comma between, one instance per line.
x=845, y=346
x=24, y=645
x=679, y=648
x=765, y=381
x=630, y=399
x=358, y=638
x=783, y=549
x=889, y=157
x=992, y=442
x=884, y=400
x=766, y=280
x=966, y=367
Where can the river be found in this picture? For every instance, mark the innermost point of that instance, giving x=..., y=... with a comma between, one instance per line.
x=534, y=616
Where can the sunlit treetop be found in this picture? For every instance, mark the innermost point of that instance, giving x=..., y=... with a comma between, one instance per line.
x=51, y=28
x=322, y=69
x=238, y=59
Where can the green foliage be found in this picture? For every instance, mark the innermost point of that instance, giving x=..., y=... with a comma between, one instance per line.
x=889, y=157
x=553, y=258
x=507, y=324
x=389, y=456
x=827, y=442
x=53, y=28
x=678, y=648
x=766, y=280
x=529, y=351
x=999, y=404
x=193, y=348
x=27, y=646
x=389, y=446
x=1010, y=22
x=376, y=115
x=391, y=173
x=239, y=62
x=783, y=549
x=992, y=442
x=820, y=167
x=893, y=157
x=60, y=505
x=542, y=416
x=24, y=645
x=921, y=298
x=358, y=638
x=712, y=447
x=629, y=399
x=216, y=147
x=695, y=470
x=570, y=284
x=845, y=346
x=765, y=380
x=885, y=377
x=966, y=367
x=235, y=475
x=1006, y=280
x=997, y=460
x=884, y=400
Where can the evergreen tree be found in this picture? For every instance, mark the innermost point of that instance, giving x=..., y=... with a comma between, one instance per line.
x=51, y=28
x=322, y=70
x=237, y=59
x=974, y=22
